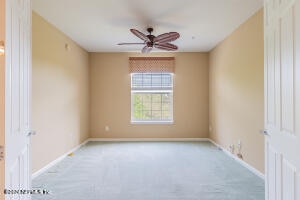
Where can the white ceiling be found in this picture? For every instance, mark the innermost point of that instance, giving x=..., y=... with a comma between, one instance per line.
x=98, y=25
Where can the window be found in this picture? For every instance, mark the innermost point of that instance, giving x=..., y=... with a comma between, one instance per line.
x=152, y=97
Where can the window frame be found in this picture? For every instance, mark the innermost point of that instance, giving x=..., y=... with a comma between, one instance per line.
x=152, y=91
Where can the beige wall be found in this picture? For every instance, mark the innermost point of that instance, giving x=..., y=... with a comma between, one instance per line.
x=60, y=93
x=76, y=94
x=110, y=98
x=236, y=90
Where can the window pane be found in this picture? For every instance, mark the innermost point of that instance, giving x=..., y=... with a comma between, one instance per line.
x=146, y=97
x=146, y=114
x=156, y=115
x=137, y=80
x=138, y=101
x=147, y=80
x=138, y=114
x=147, y=105
x=156, y=106
x=166, y=80
x=156, y=80
x=166, y=106
x=152, y=97
x=166, y=115
x=156, y=98
x=138, y=106
x=166, y=98
x=151, y=80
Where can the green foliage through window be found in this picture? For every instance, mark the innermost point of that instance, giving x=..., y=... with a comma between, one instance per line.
x=152, y=97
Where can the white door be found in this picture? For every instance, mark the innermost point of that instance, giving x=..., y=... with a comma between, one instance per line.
x=282, y=99
x=17, y=96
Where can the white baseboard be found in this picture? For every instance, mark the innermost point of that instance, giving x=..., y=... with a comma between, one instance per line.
x=40, y=171
x=240, y=161
x=148, y=139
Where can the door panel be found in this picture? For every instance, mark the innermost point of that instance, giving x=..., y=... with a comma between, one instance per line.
x=288, y=181
x=270, y=70
x=282, y=99
x=271, y=189
x=17, y=96
x=287, y=71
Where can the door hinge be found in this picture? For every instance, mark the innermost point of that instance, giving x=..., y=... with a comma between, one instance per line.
x=2, y=48
x=1, y=153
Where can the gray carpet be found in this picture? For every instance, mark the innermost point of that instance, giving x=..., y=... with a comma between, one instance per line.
x=149, y=171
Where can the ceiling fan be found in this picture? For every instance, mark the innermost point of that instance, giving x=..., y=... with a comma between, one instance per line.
x=150, y=41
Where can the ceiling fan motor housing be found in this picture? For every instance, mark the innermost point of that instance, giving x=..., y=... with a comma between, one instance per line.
x=151, y=42
x=150, y=30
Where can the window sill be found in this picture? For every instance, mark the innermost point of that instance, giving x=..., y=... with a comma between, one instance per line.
x=152, y=122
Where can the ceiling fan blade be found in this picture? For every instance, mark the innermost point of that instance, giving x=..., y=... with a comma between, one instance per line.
x=140, y=35
x=124, y=43
x=166, y=46
x=146, y=49
x=166, y=37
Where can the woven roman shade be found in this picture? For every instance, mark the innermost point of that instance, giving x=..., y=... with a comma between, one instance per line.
x=151, y=64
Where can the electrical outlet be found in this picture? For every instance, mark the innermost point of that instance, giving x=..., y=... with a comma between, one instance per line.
x=239, y=142
x=239, y=149
x=106, y=128
x=239, y=146
x=67, y=47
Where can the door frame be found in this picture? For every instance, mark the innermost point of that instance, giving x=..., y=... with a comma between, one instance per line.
x=2, y=98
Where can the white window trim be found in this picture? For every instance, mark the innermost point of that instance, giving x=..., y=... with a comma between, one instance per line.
x=152, y=122
x=170, y=121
